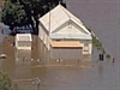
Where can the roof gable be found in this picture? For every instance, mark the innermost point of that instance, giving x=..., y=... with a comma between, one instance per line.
x=71, y=26
x=59, y=16
x=70, y=30
x=54, y=18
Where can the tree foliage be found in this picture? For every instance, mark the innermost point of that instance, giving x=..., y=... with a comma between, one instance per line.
x=13, y=14
x=25, y=12
x=6, y=82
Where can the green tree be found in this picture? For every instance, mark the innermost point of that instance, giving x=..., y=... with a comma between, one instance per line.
x=13, y=14
x=25, y=12
x=6, y=83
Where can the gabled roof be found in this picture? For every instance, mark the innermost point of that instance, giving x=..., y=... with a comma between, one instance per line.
x=59, y=16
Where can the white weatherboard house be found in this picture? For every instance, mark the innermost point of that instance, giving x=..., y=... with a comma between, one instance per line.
x=59, y=28
x=23, y=44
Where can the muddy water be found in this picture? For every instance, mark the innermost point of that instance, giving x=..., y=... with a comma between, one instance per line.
x=104, y=75
x=103, y=18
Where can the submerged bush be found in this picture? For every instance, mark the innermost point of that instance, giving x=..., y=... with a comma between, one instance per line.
x=108, y=56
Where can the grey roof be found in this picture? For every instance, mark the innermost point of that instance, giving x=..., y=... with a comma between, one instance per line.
x=57, y=17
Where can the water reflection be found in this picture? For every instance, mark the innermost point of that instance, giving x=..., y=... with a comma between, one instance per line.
x=23, y=56
x=100, y=69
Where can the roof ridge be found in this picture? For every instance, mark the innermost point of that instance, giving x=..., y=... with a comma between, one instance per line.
x=64, y=10
x=64, y=15
x=73, y=16
x=82, y=26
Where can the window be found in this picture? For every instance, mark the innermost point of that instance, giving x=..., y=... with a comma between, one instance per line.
x=86, y=47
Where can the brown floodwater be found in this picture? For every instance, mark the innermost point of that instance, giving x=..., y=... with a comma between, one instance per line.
x=57, y=76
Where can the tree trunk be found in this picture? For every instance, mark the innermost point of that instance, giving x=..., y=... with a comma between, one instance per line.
x=12, y=32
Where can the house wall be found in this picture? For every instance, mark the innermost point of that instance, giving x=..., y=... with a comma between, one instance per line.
x=23, y=44
x=87, y=46
x=44, y=36
x=66, y=53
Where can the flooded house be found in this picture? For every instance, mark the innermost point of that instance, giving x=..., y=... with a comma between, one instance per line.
x=61, y=32
x=23, y=44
